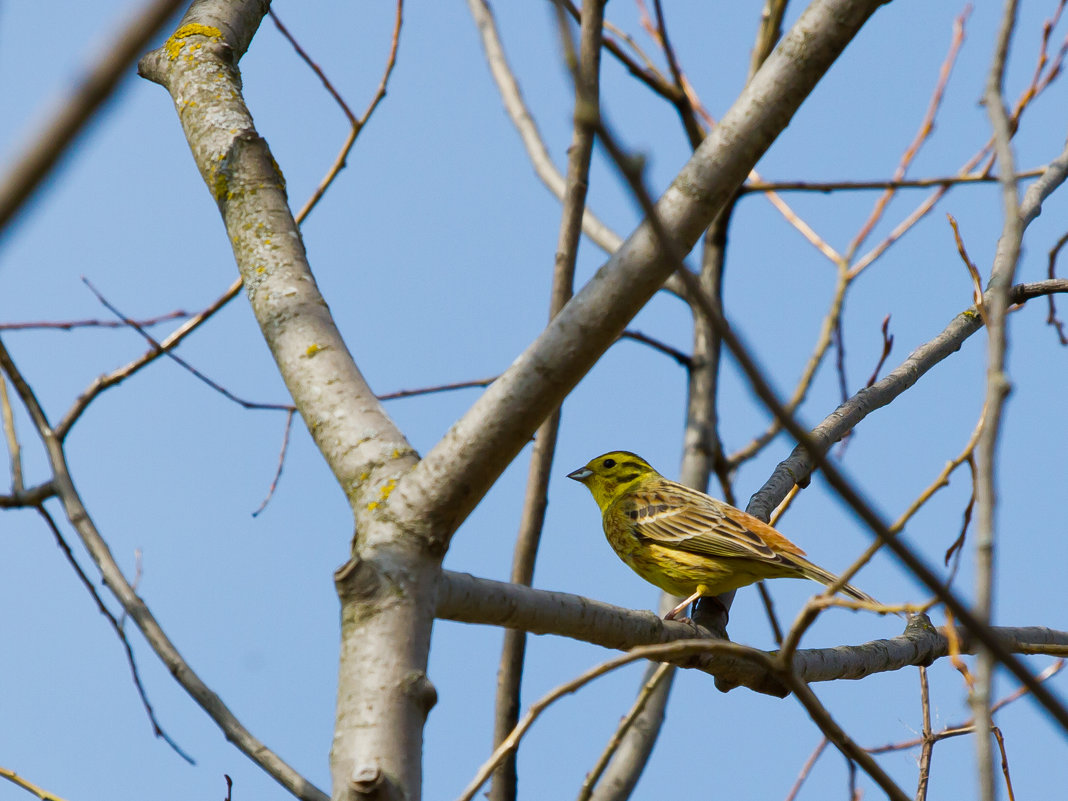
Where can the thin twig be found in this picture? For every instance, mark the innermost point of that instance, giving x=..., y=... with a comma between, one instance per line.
x=14, y=450
x=28, y=786
x=683, y=359
x=135, y=607
x=246, y=404
x=412, y=393
x=661, y=674
x=116, y=377
x=1052, y=318
x=922, y=135
x=117, y=627
x=973, y=271
x=968, y=726
x=1004, y=761
x=825, y=187
x=70, y=325
x=806, y=769
x=356, y=125
x=649, y=75
x=281, y=463
x=927, y=750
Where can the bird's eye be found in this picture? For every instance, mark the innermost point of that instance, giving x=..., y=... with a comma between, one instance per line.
x=609, y=463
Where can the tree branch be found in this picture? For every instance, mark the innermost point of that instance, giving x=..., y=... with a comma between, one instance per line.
x=798, y=467
x=443, y=488
x=468, y=599
x=49, y=144
x=135, y=607
x=585, y=67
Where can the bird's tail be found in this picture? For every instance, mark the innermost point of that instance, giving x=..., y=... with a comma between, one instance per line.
x=825, y=577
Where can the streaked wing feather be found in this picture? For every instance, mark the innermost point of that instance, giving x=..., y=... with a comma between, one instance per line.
x=681, y=518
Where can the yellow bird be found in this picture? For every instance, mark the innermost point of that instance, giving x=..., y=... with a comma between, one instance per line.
x=685, y=542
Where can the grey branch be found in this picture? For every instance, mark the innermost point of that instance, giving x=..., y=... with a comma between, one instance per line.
x=798, y=466
x=468, y=599
x=442, y=489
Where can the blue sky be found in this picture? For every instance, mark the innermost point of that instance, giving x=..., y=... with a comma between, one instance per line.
x=434, y=250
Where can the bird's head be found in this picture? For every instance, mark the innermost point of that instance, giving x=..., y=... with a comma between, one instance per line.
x=611, y=474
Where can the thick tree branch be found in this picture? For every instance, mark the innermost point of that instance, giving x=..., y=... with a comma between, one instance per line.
x=468, y=599
x=443, y=488
x=383, y=693
x=837, y=480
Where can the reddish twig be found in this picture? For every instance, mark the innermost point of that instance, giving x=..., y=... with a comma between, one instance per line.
x=281, y=463
x=888, y=343
x=826, y=187
x=1052, y=319
x=68, y=325
x=973, y=271
x=806, y=769
x=356, y=125
x=247, y=404
x=922, y=135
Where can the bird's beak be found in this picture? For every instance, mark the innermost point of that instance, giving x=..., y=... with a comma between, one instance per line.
x=581, y=474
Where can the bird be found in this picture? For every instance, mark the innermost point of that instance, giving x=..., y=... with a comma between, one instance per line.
x=685, y=542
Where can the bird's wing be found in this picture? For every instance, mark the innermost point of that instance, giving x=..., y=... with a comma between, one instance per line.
x=676, y=516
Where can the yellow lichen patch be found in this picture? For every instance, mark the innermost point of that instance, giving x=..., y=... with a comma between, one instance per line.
x=220, y=185
x=313, y=349
x=176, y=42
x=383, y=493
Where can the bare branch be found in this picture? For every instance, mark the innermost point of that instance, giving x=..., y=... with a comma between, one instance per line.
x=135, y=607
x=357, y=125
x=116, y=377
x=120, y=632
x=521, y=117
x=467, y=599
x=585, y=68
x=854, y=186
x=377, y=743
x=93, y=89
x=28, y=786
x=443, y=488
x=997, y=387
x=656, y=675
x=281, y=463
x=798, y=466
